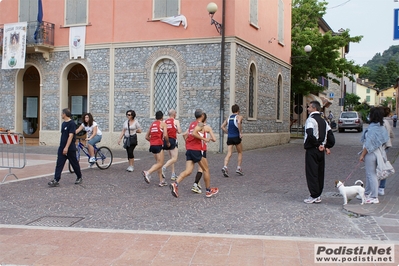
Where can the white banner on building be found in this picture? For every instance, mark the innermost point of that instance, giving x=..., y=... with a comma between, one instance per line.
x=14, y=45
x=77, y=39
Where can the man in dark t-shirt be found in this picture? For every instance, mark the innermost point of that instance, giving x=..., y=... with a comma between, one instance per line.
x=66, y=150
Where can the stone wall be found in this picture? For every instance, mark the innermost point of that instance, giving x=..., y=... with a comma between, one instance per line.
x=198, y=87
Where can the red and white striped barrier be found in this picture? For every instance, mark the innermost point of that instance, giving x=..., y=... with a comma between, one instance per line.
x=9, y=139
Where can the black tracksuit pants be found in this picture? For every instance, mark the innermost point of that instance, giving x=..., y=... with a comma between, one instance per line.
x=314, y=166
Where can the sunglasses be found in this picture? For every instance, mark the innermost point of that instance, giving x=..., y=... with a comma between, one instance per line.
x=128, y=115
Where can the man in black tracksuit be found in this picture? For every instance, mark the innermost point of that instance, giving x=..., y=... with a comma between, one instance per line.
x=318, y=141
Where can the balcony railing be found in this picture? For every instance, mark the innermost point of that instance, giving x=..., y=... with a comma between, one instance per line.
x=39, y=38
x=40, y=33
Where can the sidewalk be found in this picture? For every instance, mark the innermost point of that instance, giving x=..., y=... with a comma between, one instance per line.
x=60, y=246
x=115, y=218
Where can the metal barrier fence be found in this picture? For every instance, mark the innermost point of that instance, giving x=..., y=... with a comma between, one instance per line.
x=12, y=152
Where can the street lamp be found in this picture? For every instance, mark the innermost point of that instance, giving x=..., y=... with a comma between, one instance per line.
x=212, y=8
x=298, y=109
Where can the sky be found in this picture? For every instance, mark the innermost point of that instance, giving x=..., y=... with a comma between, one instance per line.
x=372, y=19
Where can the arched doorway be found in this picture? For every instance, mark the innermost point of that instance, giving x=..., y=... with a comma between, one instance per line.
x=31, y=103
x=77, y=92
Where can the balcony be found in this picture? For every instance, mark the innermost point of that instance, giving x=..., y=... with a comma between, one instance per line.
x=39, y=38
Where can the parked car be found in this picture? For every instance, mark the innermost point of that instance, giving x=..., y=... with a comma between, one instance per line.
x=350, y=120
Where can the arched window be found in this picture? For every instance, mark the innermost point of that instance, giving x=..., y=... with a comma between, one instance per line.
x=165, y=86
x=279, y=98
x=251, y=91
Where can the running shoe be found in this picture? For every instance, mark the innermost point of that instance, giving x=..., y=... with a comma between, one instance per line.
x=199, y=186
x=318, y=200
x=147, y=177
x=174, y=188
x=372, y=201
x=174, y=177
x=78, y=181
x=92, y=160
x=225, y=172
x=239, y=171
x=213, y=191
x=310, y=200
x=381, y=191
x=196, y=189
x=130, y=168
x=163, y=183
x=53, y=183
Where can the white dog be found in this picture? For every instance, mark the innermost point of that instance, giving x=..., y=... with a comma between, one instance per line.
x=352, y=191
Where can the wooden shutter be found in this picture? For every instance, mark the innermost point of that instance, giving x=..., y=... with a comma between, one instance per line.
x=253, y=16
x=28, y=10
x=159, y=8
x=76, y=12
x=280, y=21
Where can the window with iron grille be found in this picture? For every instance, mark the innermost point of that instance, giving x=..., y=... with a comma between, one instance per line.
x=165, y=86
x=251, y=92
x=279, y=98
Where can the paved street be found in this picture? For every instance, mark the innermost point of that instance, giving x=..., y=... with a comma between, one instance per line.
x=265, y=203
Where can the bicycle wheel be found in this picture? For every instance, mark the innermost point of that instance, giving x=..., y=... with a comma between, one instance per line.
x=77, y=157
x=104, y=158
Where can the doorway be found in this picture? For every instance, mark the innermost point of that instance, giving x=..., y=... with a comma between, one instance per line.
x=31, y=103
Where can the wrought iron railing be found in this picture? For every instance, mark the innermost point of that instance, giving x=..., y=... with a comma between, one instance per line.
x=37, y=34
x=40, y=33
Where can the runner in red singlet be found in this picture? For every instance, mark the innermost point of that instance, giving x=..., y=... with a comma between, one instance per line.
x=156, y=135
x=194, y=155
x=174, y=128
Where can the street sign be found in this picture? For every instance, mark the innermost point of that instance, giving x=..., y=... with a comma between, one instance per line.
x=396, y=24
x=331, y=94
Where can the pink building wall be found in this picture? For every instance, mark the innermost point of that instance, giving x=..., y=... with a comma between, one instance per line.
x=118, y=21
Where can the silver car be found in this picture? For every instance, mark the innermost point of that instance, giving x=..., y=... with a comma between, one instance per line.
x=350, y=120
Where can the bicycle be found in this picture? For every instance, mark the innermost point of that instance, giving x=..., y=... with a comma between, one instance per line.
x=103, y=156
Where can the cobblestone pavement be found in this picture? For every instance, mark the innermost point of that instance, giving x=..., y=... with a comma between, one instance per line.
x=266, y=201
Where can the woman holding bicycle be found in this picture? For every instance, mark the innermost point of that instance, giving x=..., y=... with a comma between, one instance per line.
x=130, y=128
x=94, y=134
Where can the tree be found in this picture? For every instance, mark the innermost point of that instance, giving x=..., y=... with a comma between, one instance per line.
x=324, y=59
x=381, y=78
x=351, y=100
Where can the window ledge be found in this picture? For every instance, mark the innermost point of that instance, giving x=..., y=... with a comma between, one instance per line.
x=75, y=25
x=254, y=25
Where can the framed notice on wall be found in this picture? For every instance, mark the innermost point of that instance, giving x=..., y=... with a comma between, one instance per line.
x=31, y=107
x=77, y=105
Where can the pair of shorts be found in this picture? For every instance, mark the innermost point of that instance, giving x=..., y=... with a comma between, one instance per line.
x=194, y=156
x=233, y=141
x=173, y=144
x=155, y=149
x=95, y=139
x=203, y=154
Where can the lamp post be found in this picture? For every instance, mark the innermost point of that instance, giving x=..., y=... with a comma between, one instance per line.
x=212, y=8
x=299, y=110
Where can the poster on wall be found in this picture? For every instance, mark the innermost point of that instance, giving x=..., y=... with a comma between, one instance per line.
x=14, y=45
x=77, y=105
x=31, y=107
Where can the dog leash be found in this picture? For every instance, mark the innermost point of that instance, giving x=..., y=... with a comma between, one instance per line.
x=354, y=169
